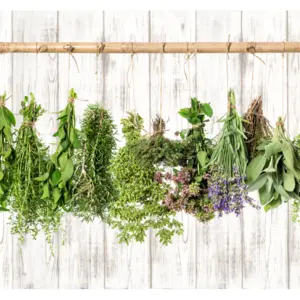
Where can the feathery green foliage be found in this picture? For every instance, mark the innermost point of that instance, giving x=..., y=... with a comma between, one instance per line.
x=94, y=189
x=138, y=206
x=7, y=152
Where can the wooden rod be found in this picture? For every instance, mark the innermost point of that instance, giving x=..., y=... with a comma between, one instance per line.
x=136, y=47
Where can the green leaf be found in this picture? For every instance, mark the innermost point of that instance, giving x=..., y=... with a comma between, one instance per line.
x=273, y=204
x=1, y=175
x=273, y=148
x=264, y=196
x=7, y=132
x=198, y=178
x=55, y=177
x=279, y=188
x=258, y=183
x=67, y=173
x=206, y=108
x=270, y=170
x=42, y=177
x=56, y=195
x=46, y=192
x=63, y=159
x=3, y=209
x=255, y=167
x=202, y=156
x=288, y=181
x=9, y=115
x=183, y=133
x=184, y=112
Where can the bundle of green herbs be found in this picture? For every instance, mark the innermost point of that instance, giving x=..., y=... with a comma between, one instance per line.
x=256, y=127
x=94, y=190
x=275, y=171
x=7, y=152
x=29, y=211
x=188, y=184
x=139, y=205
x=227, y=187
x=57, y=179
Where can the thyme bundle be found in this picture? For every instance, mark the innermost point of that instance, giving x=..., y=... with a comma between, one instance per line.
x=30, y=212
x=93, y=188
x=256, y=126
x=138, y=206
x=275, y=171
x=227, y=188
x=7, y=152
x=57, y=180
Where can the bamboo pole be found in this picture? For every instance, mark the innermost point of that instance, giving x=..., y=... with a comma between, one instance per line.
x=136, y=47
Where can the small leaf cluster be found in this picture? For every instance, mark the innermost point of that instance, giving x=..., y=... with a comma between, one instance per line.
x=94, y=189
x=275, y=171
x=30, y=213
x=139, y=205
x=7, y=152
x=57, y=180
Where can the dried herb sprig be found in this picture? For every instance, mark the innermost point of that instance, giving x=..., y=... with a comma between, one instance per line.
x=228, y=164
x=138, y=206
x=93, y=183
x=57, y=180
x=7, y=152
x=275, y=172
x=256, y=126
x=30, y=212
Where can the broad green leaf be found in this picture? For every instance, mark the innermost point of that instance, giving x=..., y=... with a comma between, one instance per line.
x=67, y=173
x=46, y=192
x=55, y=177
x=56, y=195
x=255, y=167
x=7, y=153
x=10, y=116
x=42, y=177
x=264, y=196
x=258, y=183
x=183, y=133
x=63, y=159
x=198, y=178
x=279, y=188
x=76, y=143
x=202, y=156
x=270, y=170
x=273, y=148
x=184, y=112
x=1, y=175
x=273, y=204
x=7, y=132
x=206, y=108
x=288, y=181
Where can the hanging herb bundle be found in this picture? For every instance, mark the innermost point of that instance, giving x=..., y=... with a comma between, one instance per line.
x=94, y=189
x=156, y=148
x=29, y=211
x=138, y=206
x=227, y=188
x=7, y=152
x=256, y=127
x=57, y=180
x=188, y=185
x=275, y=172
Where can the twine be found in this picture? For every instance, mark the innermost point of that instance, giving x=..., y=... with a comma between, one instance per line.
x=252, y=50
x=227, y=74
x=283, y=77
x=69, y=48
x=161, y=86
x=71, y=100
x=130, y=66
x=188, y=57
x=29, y=124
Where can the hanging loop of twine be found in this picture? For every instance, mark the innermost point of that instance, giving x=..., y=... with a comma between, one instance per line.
x=188, y=56
x=227, y=72
x=69, y=48
x=130, y=65
x=283, y=52
x=71, y=100
x=251, y=49
x=161, y=86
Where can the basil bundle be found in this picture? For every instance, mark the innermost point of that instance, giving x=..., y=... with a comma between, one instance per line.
x=275, y=172
x=7, y=152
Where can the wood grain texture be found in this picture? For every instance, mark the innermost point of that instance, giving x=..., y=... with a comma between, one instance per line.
x=31, y=74
x=173, y=266
x=6, y=262
x=219, y=249
x=265, y=241
x=293, y=121
x=82, y=257
x=126, y=89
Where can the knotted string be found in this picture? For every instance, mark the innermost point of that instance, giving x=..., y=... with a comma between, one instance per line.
x=69, y=48
x=227, y=74
x=161, y=86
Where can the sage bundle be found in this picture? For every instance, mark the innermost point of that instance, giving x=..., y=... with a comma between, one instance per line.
x=7, y=152
x=139, y=205
x=57, y=180
x=275, y=171
x=94, y=190
x=30, y=212
x=227, y=188
x=256, y=127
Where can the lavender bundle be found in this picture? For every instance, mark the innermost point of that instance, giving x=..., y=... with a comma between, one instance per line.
x=226, y=185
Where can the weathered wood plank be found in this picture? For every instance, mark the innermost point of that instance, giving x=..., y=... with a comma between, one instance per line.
x=293, y=121
x=265, y=235
x=31, y=74
x=6, y=259
x=82, y=257
x=219, y=249
x=126, y=266
x=173, y=266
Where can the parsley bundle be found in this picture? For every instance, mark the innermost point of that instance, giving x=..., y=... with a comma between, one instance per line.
x=30, y=212
x=138, y=206
x=227, y=188
x=7, y=152
x=94, y=189
x=57, y=180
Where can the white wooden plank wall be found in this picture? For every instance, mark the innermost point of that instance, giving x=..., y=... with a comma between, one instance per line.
x=258, y=250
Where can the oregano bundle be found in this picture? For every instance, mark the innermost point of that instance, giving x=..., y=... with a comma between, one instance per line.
x=7, y=152
x=94, y=190
x=29, y=212
x=57, y=180
x=139, y=205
